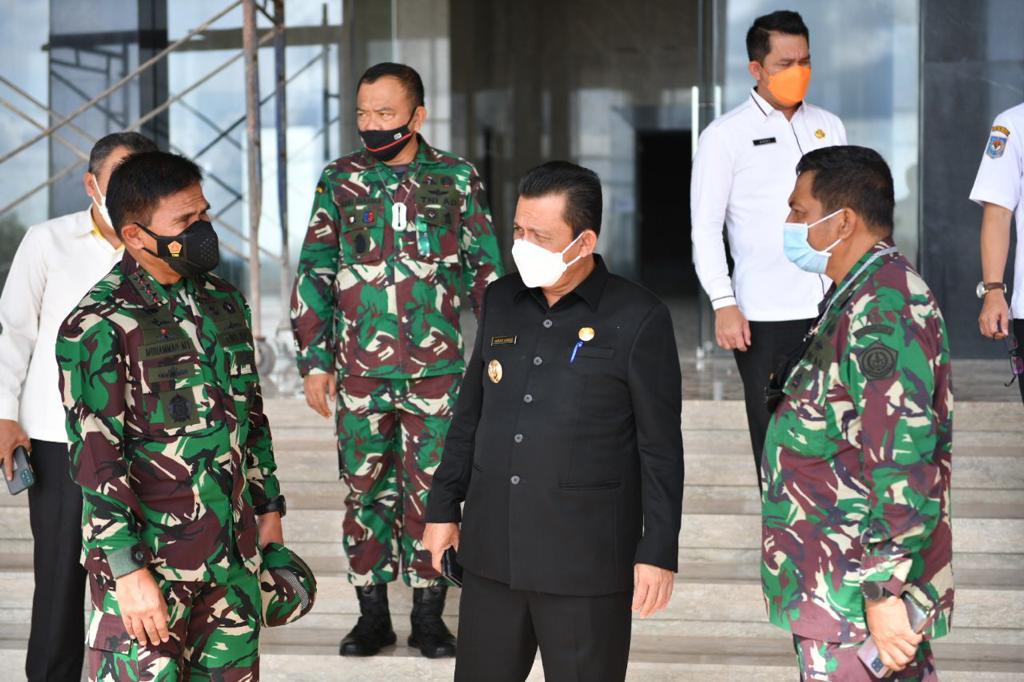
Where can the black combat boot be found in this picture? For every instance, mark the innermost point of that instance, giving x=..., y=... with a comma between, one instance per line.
x=373, y=630
x=429, y=633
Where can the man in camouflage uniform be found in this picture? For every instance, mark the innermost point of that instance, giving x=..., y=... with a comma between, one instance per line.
x=857, y=461
x=400, y=233
x=168, y=442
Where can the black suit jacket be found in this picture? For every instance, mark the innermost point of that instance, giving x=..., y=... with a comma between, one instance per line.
x=567, y=449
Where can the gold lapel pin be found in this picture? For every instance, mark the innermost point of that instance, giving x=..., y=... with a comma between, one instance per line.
x=494, y=371
x=586, y=334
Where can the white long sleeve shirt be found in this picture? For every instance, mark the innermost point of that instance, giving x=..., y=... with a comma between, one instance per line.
x=1000, y=181
x=56, y=265
x=742, y=177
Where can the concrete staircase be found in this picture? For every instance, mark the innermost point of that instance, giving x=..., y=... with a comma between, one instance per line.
x=715, y=626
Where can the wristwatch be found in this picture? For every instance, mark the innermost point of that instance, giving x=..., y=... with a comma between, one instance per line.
x=985, y=287
x=275, y=505
x=874, y=591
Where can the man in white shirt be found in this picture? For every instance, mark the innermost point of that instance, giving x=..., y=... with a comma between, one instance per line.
x=999, y=188
x=742, y=176
x=56, y=264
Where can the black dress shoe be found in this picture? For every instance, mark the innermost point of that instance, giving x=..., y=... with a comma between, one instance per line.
x=373, y=630
x=429, y=633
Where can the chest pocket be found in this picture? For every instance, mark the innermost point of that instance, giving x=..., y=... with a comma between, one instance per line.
x=172, y=399
x=803, y=421
x=438, y=205
x=235, y=337
x=362, y=231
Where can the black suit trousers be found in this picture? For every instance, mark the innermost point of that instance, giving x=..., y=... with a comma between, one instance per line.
x=580, y=638
x=57, y=636
x=770, y=343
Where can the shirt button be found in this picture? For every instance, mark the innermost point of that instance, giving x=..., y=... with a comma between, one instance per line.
x=538, y=361
x=515, y=480
x=138, y=555
x=518, y=438
x=527, y=398
x=547, y=324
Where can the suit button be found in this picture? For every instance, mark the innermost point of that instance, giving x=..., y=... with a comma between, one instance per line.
x=518, y=438
x=527, y=398
x=547, y=324
x=538, y=361
x=515, y=480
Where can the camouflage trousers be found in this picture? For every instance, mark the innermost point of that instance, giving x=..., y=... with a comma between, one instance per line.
x=838, y=662
x=390, y=437
x=214, y=632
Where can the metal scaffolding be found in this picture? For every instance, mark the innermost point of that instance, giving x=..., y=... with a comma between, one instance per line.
x=64, y=130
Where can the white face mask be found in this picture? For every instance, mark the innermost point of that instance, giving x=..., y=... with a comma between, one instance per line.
x=101, y=205
x=539, y=267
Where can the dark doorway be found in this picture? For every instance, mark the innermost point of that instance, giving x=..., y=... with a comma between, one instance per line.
x=663, y=212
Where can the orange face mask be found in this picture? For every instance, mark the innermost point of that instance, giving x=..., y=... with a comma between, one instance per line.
x=789, y=86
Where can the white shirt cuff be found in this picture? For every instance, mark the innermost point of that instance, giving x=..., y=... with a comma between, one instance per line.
x=723, y=301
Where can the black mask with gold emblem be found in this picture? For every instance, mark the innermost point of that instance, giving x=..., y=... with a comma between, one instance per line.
x=194, y=252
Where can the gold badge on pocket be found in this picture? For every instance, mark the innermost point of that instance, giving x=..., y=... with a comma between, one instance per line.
x=494, y=371
x=587, y=334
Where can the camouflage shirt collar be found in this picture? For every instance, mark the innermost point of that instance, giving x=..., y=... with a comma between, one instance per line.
x=840, y=292
x=858, y=270
x=151, y=293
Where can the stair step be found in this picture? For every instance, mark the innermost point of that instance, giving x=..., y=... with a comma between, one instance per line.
x=699, y=530
x=694, y=600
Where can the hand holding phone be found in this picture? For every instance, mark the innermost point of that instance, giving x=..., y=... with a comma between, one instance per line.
x=24, y=476
x=450, y=567
x=919, y=622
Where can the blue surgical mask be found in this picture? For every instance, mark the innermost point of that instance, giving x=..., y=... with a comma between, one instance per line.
x=799, y=250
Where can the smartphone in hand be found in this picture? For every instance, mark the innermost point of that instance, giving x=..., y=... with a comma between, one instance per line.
x=868, y=652
x=24, y=476
x=450, y=567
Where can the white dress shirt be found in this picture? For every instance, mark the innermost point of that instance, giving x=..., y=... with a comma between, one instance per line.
x=56, y=265
x=1001, y=181
x=743, y=174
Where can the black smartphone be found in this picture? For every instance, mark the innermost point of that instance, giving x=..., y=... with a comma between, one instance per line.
x=24, y=477
x=450, y=567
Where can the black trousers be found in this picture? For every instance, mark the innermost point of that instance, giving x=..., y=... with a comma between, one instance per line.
x=770, y=343
x=1018, y=331
x=57, y=638
x=581, y=639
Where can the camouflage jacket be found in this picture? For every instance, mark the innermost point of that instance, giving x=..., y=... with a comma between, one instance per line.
x=857, y=460
x=168, y=439
x=374, y=300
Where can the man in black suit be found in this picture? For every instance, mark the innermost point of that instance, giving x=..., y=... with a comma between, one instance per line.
x=566, y=448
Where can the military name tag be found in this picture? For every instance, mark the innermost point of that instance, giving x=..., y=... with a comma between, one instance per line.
x=170, y=373
x=494, y=371
x=503, y=341
x=234, y=337
x=165, y=348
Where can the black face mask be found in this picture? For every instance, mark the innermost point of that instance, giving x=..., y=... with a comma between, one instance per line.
x=385, y=145
x=194, y=252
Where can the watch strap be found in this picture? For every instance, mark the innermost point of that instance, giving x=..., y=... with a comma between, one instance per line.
x=275, y=505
